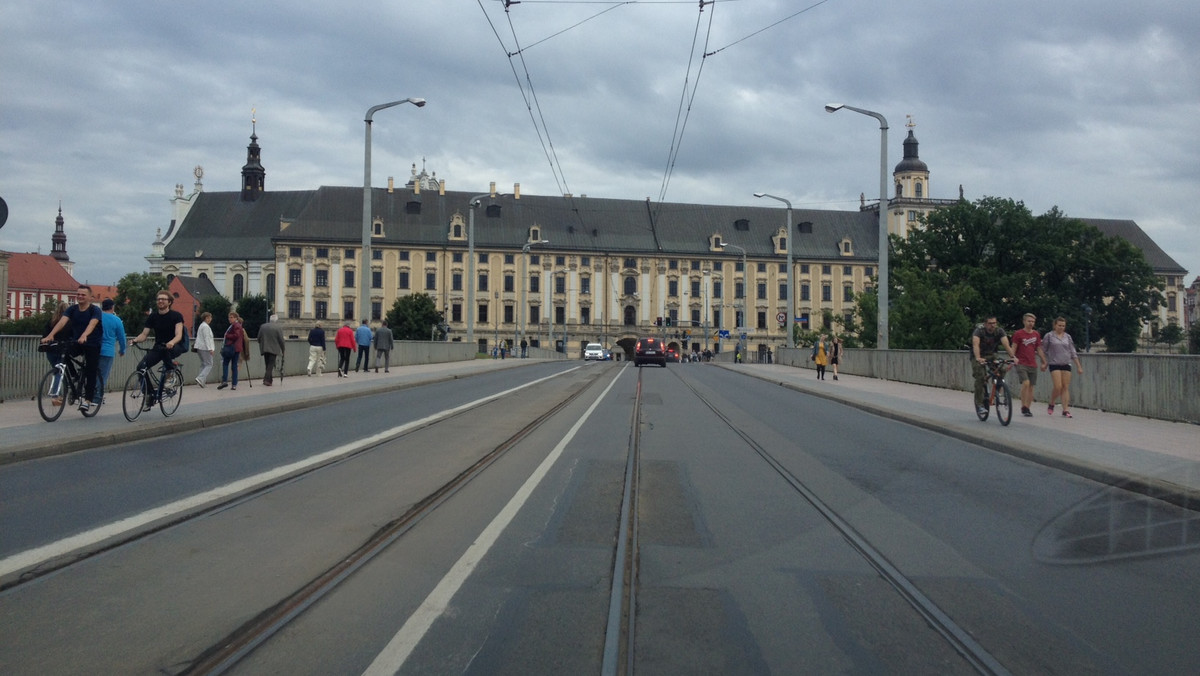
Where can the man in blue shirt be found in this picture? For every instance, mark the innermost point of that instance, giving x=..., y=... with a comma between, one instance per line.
x=112, y=336
x=84, y=321
x=362, y=337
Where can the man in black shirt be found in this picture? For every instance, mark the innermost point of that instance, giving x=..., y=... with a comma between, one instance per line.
x=167, y=325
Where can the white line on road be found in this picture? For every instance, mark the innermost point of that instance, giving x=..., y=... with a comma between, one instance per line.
x=32, y=558
x=402, y=644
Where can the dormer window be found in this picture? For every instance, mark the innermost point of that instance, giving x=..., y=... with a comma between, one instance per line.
x=377, y=228
x=847, y=249
x=458, y=228
x=535, y=234
x=715, y=242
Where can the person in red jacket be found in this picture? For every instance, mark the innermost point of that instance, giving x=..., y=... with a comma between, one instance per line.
x=344, y=342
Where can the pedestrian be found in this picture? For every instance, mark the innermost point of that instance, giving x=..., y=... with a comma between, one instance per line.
x=343, y=340
x=232, y=348
x=84, y=321
x=271, y=346
x=362, y=338
x=316, y=349
x=524, y=348
x=1060, y=351
x=835, y=355
x=112, y=339
x=820, y=356
x=984, y=340
x=205, y=347
x=1028, y=345
x=383, y=346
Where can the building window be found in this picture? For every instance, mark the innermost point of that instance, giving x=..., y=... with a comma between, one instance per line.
x=456, y=280
x=270, y=285
x=920, y=192
x=482, y=316
x=630, y=286
x=483, y=286
x=483, y=259
x=348, y=254
x=631, y=263
x=804, y=268
x=560, y=284
x=1171, y=302
x=348, y=310
x=739, y=289
x=718, y=288
x=321, y=309
x=827, y=292
x=403, y=280
x=560, y=260
x=535, y=259
x=293, y=309
x=377, y=229
x=848, y=294
x=508, y=314
x=695, y=318
x=377, y=279
x=239, y=287
x=912, y=216
x=762, y=291
x=293, y=277
x=509, y=259
x=585, y=261
x=403, y=255
x=535, y=314
x=560, y=315
x=323, y=252
x=376, y=254
x=456, y=257
x=805, y=292
x=585, y=315
x=535, y=284
x=376, y=310
x=761, y=267
x=783, y=291
x=827, y=269
x=430, y=256
x=294, y=252
x=672, y=264
x=509, y=284
x=673, y=287
x=761, y=321
x=431, y=281
x=348, y=279
x=717, y=318
x=585, y=286
x=456, y=312
x=869, y=271
x=322, y=278
x=847, y=270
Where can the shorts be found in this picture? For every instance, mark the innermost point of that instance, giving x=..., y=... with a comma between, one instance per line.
x=1060, y=367
x=1027, y=373
x=833, y=361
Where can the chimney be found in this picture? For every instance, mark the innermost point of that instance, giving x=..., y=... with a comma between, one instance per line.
x=492, y=189
x=442, y=187
x=417, y=187
x=516, y=191
x=391, y=185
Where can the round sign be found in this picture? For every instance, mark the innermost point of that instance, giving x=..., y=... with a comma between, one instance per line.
x=781, y=317
x=3, y=212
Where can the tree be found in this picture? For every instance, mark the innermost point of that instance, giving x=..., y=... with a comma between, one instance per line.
x=33, y=325
x=413, y=317
x=994, y=257
x=1194, y=338
x=254, y=312
x=1169, y=334
x=219, y=306
x=135, y=299
x=866, y=309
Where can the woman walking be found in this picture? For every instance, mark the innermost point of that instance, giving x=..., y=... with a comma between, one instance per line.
x=205, y=347
x=820, y=355
x=343, y=340
x=1060, y=352
x=231, y=351
x=835, y=355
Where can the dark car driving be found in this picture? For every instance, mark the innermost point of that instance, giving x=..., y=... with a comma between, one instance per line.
x=650, y=351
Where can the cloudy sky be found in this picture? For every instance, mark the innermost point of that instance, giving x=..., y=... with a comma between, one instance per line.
x=1093, y=106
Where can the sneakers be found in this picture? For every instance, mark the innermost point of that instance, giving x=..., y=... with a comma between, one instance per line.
x=85, y=405
x=1026, y=412
x=149, y=404
x=200, y=382
x=222, y=386
x=981, y=410
x=1067, y=414
x=1050, y=409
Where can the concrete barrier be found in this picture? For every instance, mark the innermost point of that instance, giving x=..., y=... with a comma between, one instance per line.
x=1165, y=387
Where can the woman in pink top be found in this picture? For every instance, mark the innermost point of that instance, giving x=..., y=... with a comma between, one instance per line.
x=1060, y=352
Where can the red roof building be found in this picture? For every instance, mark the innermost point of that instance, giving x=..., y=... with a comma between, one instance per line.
x=34, y=279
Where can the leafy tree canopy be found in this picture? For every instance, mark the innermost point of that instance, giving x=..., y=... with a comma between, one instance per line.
x=254, y=311
x=412, y=317
x=993, y=256
x=135, y=299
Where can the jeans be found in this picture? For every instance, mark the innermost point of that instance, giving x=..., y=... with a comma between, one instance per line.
x=227, y=357
x=364, y=358
x=103, y=367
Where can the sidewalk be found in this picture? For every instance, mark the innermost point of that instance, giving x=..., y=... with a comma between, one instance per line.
x=1153, y=457
x=25, y=435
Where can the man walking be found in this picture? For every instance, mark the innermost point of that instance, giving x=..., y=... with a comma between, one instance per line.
x=112, y=338
x=362, y=337
x=316, y=350
x=1028, y=344
x=383, y=346
x=270, y=344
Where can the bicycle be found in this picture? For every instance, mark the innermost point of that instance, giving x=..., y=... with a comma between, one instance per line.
x=995, y=391
x=63, y=385
x=144, y=387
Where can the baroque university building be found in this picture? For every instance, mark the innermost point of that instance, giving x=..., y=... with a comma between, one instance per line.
x=558, y=271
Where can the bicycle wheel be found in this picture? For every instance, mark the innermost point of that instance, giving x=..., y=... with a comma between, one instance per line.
x=134, y=396
x=982, y=411
x=51, y=400
x=1003, y=403
x=172, y=392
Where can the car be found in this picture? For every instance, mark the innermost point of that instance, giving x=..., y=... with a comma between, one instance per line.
x=593, y=351
x=672, y=355
x=650, y=351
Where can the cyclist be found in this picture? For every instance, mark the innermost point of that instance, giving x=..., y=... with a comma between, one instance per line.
x=84, y=319
x=983, y=349
x=168, y=337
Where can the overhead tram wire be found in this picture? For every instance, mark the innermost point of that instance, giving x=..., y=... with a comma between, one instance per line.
x=767, y=28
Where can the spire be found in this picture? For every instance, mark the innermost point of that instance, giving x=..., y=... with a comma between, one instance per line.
x=253, y=174
x=58, y=241
x=911, y=162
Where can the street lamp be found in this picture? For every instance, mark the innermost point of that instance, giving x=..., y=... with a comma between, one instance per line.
x=745, y=285
x=882, y=340
x=471, y=281
x=525, y=281
x=791, y=308
x=364, y=283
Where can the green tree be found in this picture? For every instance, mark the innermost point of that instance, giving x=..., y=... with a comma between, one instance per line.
x=219, y=306
x=932, y=315
x=994, y=257
x=254, y=311
x=412, y=317
x=1170, y=334
x=866, y=310
x=33, y=325
x=1194, y=338
x=135, y=299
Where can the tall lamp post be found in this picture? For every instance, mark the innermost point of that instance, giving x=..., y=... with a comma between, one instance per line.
x=364, y=272
x=745, y=285
x=525, y=282
x=791, y=307
x=882, y=340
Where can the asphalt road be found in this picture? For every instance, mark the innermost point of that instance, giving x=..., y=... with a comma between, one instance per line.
x=777, y=533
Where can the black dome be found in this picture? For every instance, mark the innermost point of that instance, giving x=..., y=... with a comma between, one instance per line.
x=911, y=162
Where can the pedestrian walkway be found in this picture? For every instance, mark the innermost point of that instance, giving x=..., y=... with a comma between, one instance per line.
x=1153, y=457
x=25, y=435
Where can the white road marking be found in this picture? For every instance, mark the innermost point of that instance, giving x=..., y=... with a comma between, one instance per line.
x=32, y=558
x=402, y=644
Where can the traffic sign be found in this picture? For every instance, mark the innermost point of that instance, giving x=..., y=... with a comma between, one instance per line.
x=723, y=333
x=781, y=317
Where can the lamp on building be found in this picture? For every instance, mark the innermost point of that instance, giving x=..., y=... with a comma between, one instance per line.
x=364, y=267
x=882, y=286
x=791, y=306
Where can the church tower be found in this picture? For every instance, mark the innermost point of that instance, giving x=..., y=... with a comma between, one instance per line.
x=58, y=244
x=253, y=174
x=911, y=178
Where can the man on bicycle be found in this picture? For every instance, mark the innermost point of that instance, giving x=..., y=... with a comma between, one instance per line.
x=983, y=348
x=84, y=319
x=168, y=333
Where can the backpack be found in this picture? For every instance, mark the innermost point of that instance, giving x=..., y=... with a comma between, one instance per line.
x=185, y=344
